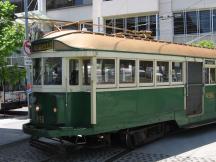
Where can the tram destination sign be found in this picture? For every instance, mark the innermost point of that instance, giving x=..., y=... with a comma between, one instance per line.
x=42, y=45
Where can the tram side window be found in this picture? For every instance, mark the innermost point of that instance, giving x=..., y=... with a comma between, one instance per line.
x=146, y=72
x=37, y=71
x=127, y=71
x=86, y=72
x=105, y=71
x=177, y=75
x=162, y=73
x=206, y=75
x=74, y=72
x=212, y=76
x=52, y=71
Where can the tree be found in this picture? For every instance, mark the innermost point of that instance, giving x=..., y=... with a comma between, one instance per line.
x=205, y=44
x=11, y=38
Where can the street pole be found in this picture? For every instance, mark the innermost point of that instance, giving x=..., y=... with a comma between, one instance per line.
x=27, y=38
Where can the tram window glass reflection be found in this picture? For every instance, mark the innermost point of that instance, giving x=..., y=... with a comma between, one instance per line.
x=127, y=71
x=206, y=75
x=86, y=72
x=52, y=71
x=146, y=71
x=37, y=71
x=74, y=72
x=212, y=76
x=177, y=75
x=162, y=73
x=105, y=71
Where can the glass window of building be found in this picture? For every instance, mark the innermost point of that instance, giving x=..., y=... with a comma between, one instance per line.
x=36, y=71
x=146, y=71
x=74, y=72
x=192, y=24
x=143, y=23
x=105, y=71
x=212, y=76
x=110, y=25
x=53, y=71
x=206, y=75
x=86, y=72
x=119, y=23
x=153, y=25
x=179, y=23
x=33, y=5
x=131, y=23
x=214, y=20
x=205, y=21
x=162, y=73
x=177, y=72
x=127, y=71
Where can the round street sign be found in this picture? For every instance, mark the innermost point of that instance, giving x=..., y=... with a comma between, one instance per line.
x=27, y=47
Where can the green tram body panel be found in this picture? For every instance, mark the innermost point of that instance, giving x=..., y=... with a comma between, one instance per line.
x=116, y=110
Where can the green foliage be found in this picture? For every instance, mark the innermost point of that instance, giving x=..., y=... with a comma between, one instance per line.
x=205, y=44
x=11, y=38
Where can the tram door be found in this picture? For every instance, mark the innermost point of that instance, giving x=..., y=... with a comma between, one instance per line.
x=194, y=88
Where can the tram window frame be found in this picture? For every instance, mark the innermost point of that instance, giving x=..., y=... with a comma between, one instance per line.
x=107, y=85
x=168, y=75
x=182, y=73
x=153, y=73
x=74, y=72
x=61, y=74
x=127, y=84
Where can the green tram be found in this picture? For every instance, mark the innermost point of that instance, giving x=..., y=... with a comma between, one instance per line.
x=94, y=85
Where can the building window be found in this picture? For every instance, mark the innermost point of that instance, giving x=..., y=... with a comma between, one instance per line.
x=162, y=73
x=179, y=23
x=54, y=4
x=131, y=24
x=177, y=72
x=86, y=72
x=153, y=24
x=52, y=71
x=33, y=5
x=146, y=71
x=205, y=21
x=143, y=23
x=214, y=20
x=119, y=23
x=110, y=25
x=127, y=71
x=212, y=76
x=192, y=24
x=105, y=71
x=74, y=72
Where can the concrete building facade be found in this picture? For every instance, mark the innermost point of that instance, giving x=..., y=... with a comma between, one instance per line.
x=180, y=21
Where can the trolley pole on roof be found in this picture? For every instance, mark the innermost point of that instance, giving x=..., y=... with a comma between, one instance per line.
x=28, y=80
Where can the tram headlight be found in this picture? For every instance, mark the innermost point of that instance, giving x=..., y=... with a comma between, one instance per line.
x=54, y=109
x=37, y=108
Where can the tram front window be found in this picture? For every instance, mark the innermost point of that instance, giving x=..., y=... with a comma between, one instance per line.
x=105, y=71
x=74, y=72
x=86, y=72
x=37, y=71
x=212, y=76
x=52, y=71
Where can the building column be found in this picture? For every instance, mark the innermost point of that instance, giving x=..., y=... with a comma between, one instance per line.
x=166, y=20
x=97, y=16
x=42, y=6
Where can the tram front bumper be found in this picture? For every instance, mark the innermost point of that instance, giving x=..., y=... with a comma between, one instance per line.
x=58, y=132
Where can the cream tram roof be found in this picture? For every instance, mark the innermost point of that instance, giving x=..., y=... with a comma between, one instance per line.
x=85, y=40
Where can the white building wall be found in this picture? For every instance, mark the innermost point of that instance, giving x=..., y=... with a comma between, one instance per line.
x=128, y=7
x=166, y=20
x=179, y=5
x=71, y=13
